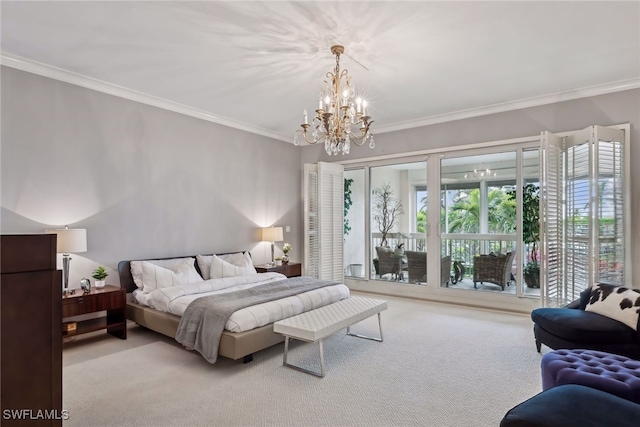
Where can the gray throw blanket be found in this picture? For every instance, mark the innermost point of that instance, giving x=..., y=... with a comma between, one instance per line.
x=203, y=321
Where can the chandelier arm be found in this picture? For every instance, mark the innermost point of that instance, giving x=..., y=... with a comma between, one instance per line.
x=358, y=140
x=310, y=141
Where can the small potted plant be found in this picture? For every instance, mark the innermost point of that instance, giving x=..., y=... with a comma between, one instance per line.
x=278, y=260
x=286, y=249
x=100, y=274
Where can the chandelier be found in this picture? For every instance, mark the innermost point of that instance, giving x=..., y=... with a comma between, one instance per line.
x=480, y=174
x=339, y=111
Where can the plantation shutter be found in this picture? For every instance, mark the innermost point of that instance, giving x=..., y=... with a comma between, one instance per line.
x=611, y=198
x=579, y=223
x=311, y=239
x=552, y=214
x=603, y=205
x=584, y=212
x=324, y=221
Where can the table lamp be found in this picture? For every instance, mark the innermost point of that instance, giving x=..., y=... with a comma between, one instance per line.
x=272, y=234
x=70, y=240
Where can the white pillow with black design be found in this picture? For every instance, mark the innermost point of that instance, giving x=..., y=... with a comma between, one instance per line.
x=237, y=265
x=616, y=302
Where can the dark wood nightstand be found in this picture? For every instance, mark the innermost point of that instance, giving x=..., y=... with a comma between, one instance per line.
x=110, y=298
x=291, y=269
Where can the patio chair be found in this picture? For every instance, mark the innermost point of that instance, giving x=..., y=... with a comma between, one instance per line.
x=493, y=268
x=417, y=267
x=445, y=270
x=388, y=264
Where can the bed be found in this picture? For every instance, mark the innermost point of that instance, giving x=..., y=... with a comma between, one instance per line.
x=233, y=345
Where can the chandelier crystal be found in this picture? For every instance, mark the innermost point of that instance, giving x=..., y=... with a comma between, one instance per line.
x=339, y=111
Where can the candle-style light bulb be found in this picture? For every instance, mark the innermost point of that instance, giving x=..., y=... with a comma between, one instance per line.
x=306, y=121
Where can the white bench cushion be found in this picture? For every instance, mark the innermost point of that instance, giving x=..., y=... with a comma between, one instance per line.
x=324, y=321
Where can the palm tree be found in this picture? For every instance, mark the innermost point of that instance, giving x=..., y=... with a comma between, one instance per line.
x=502, y=212
x=464, y=215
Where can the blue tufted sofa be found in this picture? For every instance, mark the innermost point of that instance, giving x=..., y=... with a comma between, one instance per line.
x=573, y=405
x=572, y=327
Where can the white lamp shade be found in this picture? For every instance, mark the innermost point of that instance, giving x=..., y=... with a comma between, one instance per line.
x=70, y=240
x=272, y=234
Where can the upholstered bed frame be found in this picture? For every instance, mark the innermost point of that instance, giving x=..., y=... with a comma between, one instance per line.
x=234, y=345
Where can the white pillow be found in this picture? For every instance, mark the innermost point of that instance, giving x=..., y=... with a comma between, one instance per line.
x=249, y=263
x=172, y=264
x=204, y=262
x=615, y=302
x=156, y=277
x=237, y=258
x=236, y=265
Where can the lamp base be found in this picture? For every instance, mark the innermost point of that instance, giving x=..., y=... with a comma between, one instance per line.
x=273, y=260
x=66, y=263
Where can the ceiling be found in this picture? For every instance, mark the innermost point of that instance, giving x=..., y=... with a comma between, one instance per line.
x=257, y=65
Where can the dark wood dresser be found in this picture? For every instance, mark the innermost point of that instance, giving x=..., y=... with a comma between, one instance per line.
x=31, y=340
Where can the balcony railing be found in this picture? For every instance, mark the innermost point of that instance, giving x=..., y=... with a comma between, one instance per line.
x=411, y=241
x=460, y=247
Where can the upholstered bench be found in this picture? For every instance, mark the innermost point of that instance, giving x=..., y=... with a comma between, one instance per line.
x=608, y=372
x=315, y=325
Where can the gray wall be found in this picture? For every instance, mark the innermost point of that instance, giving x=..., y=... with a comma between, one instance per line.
x=610, y=109
x=143, y=181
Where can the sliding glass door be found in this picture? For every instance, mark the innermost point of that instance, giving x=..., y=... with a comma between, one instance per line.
x=398, y=215
x=470, y=237
x=460, y=225
x=478, y=223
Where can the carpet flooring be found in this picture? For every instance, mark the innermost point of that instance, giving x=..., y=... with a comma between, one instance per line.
x=439, y=365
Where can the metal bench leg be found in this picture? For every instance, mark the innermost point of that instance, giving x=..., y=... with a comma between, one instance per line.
x=366, y=337
x=321, y=358
x=298, y=368
x=286, y=350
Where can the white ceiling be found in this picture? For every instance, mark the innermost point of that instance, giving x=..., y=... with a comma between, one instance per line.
x=257, y=65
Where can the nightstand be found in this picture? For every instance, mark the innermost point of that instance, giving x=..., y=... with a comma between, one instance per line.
x=291, y=269
x=111, y=299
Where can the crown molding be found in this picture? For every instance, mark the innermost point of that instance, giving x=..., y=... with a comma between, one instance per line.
x=586, y=92
x=24, y=64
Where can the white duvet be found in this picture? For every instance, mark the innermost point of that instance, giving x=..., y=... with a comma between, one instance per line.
x=175, y=299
